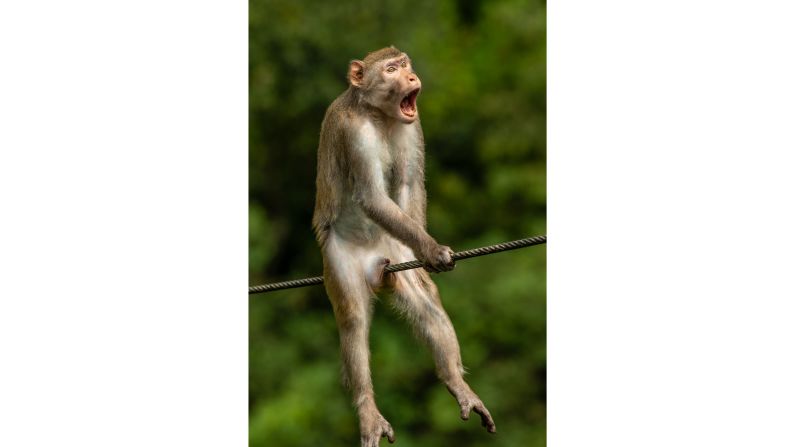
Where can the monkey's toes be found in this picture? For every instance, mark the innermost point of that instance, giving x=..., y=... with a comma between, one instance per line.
x=478, y=407
x=373, y=432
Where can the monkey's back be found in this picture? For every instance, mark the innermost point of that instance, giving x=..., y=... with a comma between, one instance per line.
x=332, y=172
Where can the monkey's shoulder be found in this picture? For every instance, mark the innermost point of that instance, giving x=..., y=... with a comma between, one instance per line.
x=341, y=121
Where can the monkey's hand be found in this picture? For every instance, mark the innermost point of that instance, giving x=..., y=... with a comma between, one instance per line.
x=437, y=258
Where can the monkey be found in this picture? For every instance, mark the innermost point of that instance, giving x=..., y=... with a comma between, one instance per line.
x=370, y=211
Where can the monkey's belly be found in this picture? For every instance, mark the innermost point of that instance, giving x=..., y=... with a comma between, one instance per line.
x=355, y=227
x=356, y=249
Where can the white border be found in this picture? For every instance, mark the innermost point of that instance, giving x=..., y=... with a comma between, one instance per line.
x=671, y=181
x=123, y=191
x=123, y=187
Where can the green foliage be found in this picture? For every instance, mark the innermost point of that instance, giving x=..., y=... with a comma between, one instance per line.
x=483, y=106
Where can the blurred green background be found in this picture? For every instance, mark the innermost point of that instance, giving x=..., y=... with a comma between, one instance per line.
x=483, y=105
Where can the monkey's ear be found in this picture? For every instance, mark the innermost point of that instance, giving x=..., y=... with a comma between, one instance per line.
x=356, y=73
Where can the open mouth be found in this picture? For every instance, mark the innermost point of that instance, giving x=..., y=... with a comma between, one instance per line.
x=408, y=106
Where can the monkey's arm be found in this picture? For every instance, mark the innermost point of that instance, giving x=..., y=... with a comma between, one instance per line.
x=387, y=214
x=370, y=193
x=379, y=207
x=416, y=208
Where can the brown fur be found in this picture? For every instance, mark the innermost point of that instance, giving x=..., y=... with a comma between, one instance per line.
x=369, y=211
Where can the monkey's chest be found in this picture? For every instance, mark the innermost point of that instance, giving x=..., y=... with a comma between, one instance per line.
x=399, y=190
x=397, y=176
x=396, y=159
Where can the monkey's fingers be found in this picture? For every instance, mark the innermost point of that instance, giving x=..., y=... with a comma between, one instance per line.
x=445, y=266
x=430, y=268
x=448, y=263
x=450, y=253
x=390, y=435
x=439, y=265
x=449, y=266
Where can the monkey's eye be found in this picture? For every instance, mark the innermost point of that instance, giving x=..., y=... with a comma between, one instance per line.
x=391, y=69
x=403, y=64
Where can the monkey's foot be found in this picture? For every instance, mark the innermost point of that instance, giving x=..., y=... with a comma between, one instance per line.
x=469, y=401
x=373, y=427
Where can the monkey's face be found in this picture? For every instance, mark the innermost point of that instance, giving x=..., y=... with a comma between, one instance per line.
x=394, y=87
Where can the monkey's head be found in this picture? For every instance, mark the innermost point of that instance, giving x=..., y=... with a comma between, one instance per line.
x=386, y=81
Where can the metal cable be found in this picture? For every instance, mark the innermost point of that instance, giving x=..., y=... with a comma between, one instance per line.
x=475, y=252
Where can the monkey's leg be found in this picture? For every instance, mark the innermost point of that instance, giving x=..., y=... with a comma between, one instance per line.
x=351, y=298
x=417, y=297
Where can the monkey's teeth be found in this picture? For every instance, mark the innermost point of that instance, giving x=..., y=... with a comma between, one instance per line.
x=408, y=106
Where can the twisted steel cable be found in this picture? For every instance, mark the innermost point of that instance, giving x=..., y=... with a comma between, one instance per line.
x=475, y=252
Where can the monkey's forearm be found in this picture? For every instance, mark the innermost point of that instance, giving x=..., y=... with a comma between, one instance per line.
x=388, y=214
